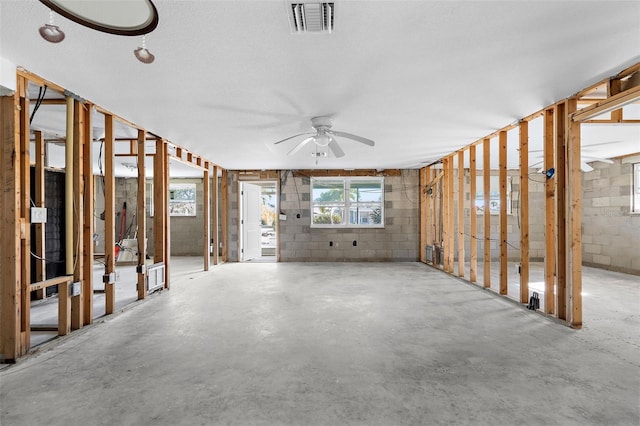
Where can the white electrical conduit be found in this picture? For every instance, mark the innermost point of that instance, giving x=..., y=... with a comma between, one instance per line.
x=68, y=189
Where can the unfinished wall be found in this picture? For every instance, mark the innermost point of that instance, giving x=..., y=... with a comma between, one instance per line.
x=187, y=231
x=610, y=231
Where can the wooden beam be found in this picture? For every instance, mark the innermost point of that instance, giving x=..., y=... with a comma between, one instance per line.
x=523, y=210
x=450, y=219
x=77, y=302
x=89, y=217
x=141, y=217
x=64, y=308
x=206, y=202
x=446, y=212
x=561, y=229
x=422, y=193
x=429, y=197
x=461, y=253
x=574, y=199
x=611, y=103
x=159, y=202
x=25, y=215
x=502, y=160
x=473, y=216
x=10, y=254
x=486, y=177
x=167, y=219
x=224, y=216
x=109, y=214
x=550, y=216
x=41, y=266
x=216, y=214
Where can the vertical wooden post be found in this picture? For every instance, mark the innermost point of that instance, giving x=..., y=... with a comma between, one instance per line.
x=428, y=197
x=550, y=217
x=216, y=212
x=574, y=198
x=10, y=255
x=486, y=175
x=445, y=213
x=560, y=179
x=109, y=213
x=461, y=253
x=473, y=217
x=77, y=302
x=89, y=217
x=41, y=266
x=224, y=214
x=64, y=309
x=142, y=217
x=450, y=218
x=206, y=202
x=166, y=175
x=523, y=210
x=25, y=216
x=423, y=214
x=159, y=202
x=502, y=159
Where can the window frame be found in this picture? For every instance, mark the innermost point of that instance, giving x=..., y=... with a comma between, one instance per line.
x=347, y=203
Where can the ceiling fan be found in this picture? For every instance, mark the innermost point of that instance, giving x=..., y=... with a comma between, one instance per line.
x=324, y=136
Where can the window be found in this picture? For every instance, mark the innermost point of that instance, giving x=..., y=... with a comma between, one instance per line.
x=494, y=195
x=182, y=199
x=636, y=188
x=347, y=202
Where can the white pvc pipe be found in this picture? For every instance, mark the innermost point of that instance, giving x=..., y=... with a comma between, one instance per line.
x=68, y=189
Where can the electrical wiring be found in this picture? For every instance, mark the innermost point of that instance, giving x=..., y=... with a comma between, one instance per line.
x=41, y=94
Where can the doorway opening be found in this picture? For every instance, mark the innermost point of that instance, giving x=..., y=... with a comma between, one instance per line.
x=259, y=221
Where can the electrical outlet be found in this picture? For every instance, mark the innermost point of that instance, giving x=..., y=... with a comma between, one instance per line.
x=38, y=215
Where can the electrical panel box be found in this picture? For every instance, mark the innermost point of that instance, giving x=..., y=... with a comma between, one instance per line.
x=38, y=215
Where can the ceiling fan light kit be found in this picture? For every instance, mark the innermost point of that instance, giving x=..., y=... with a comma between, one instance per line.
x=50, y=32
x=324, y=137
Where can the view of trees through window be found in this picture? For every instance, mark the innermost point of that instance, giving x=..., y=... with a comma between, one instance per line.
x=347, y=201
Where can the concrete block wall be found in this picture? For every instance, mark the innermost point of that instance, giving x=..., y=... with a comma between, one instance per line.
x=397, y=241
x=610, y=230
x=536, y=220
x=187, y=235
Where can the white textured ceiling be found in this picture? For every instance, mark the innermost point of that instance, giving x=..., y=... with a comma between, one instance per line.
x=421, y=78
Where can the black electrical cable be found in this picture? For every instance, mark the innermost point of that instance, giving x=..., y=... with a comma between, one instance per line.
x=41, y=94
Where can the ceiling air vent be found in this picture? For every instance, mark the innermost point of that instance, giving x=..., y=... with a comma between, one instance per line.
x=311, y=17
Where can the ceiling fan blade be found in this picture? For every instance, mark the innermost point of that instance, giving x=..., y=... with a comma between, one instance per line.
x=591, y=158
x=300, y=146
x=335, y=148
x=585, y=167
x=354, y=137
x=291, y=137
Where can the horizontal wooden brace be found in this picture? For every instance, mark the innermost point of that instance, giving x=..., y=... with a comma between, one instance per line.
x=607, y=105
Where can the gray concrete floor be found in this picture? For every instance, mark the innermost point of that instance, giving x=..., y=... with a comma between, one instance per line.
x=336, y=344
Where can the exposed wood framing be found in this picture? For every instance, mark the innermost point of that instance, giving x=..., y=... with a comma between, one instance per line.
x=141, y=217
x=167, y=219
x=611, y=103
x=523, y=211
x=473, y=217
x=41, y=266
x=561, y=121
x=429, y=196
x=206, y=202
x=461, y=253
x=486, y=180
x=422, y=193
x=77, y=302
x=25, y=214
x=216, y=214
x=446, y=212
x=502, y=161
x=550, y=216
x=10, y=254
x=224, y=239
x=574, y=215
x=450, y=245
x=109, y=214
x=159, y=202
x=89, y=218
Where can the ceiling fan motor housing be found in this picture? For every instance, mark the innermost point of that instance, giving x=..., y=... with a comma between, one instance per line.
x=321, y=122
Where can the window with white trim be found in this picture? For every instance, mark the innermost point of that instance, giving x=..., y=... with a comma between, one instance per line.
x=347, y=202
x=635, y=205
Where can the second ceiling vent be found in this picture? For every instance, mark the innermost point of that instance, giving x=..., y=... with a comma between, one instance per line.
x=311, y=17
